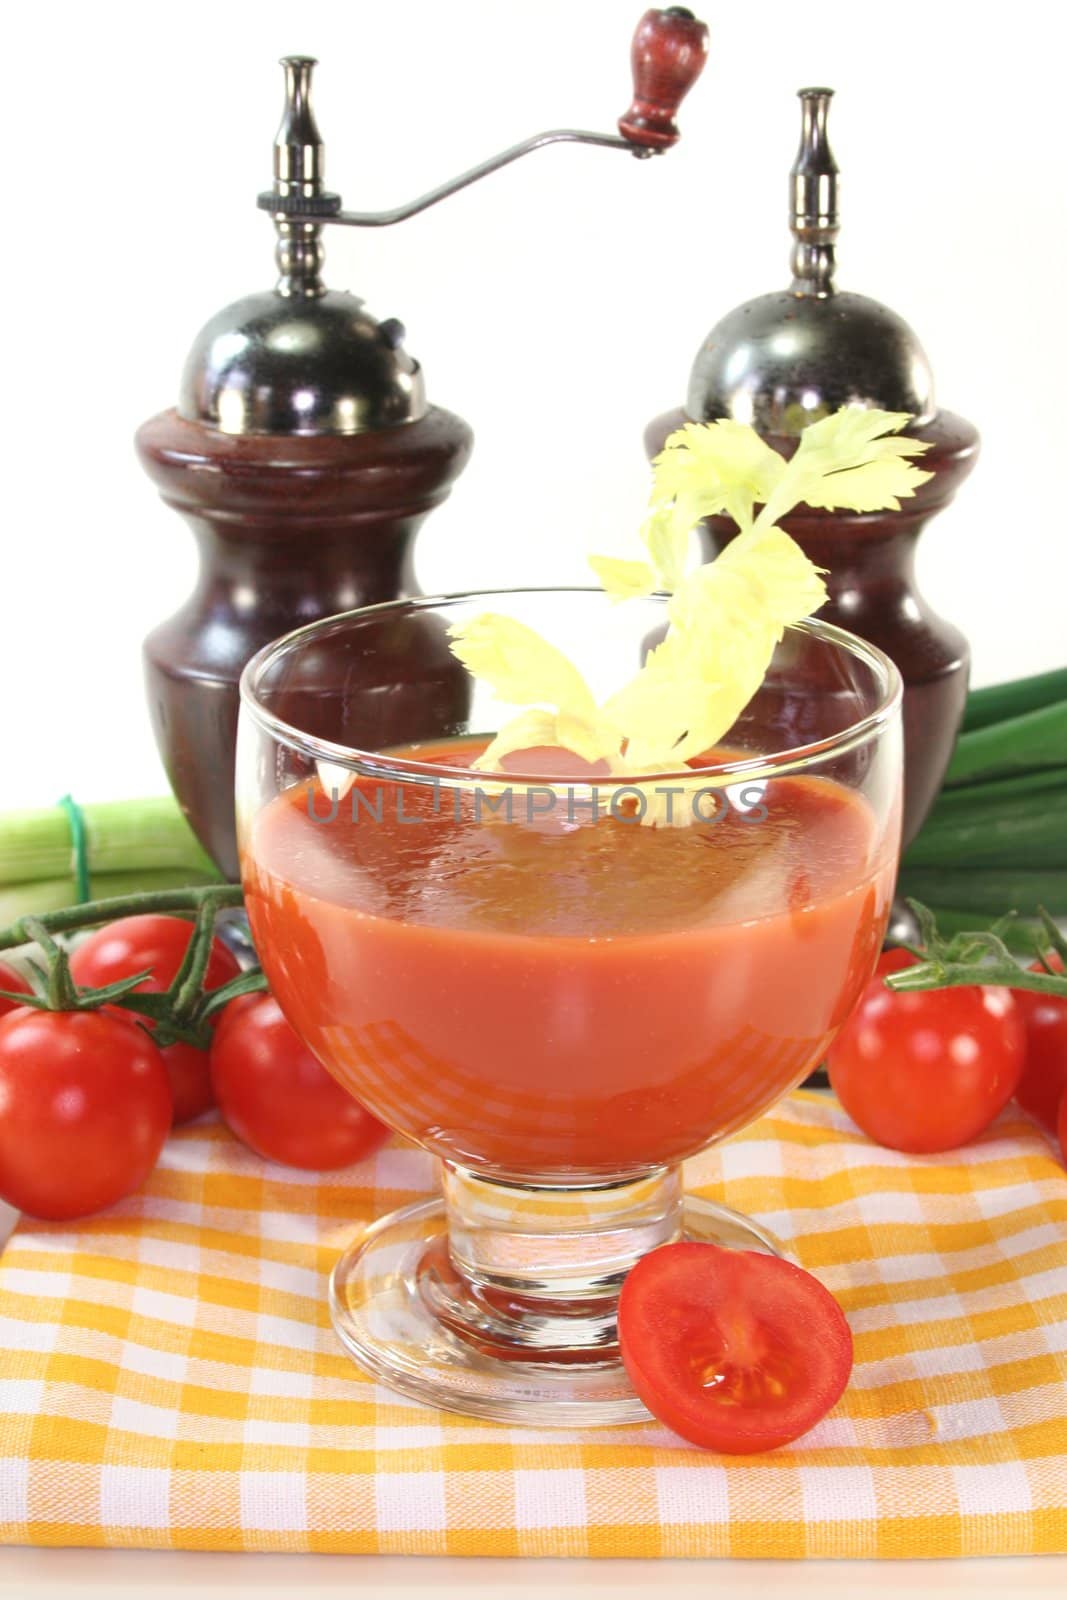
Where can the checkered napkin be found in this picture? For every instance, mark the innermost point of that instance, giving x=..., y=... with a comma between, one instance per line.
x=170, y=1378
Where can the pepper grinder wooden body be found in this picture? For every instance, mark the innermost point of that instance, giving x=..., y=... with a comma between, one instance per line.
x=870, y=561
x=289, y=530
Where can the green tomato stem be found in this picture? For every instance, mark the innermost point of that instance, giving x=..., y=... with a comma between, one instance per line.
x=952, y=975
x=71, y=918
x=187, y=987
x=181, y=1012
x=60, y=992
x=254, y=981
x=980, y=957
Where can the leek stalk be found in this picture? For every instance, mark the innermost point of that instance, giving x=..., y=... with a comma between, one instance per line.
x=54, y=894
x=125, y=836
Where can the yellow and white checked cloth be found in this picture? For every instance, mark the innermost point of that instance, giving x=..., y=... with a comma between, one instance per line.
x=170, y=1377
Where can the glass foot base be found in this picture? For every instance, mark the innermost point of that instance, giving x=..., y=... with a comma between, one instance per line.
x=408, y=1316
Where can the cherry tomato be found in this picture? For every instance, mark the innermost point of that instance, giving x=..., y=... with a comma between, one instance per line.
x=733, y=1350
x=189, y=1072
x=927, y=1071
x=277, y=1099
x=84, y=1109
x=158, y=942
x=1044, y=1080
x=10, y=979
x=1062, y=1127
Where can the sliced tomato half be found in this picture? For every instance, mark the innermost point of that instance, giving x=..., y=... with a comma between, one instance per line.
x=735, y=1351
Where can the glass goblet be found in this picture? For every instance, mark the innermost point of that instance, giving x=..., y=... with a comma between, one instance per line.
x=559, y=983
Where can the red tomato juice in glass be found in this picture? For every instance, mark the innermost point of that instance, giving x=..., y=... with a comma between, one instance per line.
x=570, y=998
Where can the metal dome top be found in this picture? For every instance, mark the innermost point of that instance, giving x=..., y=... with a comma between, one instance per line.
x=788, y=358
x=300, y=359
x=297, y=364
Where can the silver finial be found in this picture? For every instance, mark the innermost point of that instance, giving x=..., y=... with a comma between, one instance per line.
x=298, y=148
x=813, y=198
x=299, y=168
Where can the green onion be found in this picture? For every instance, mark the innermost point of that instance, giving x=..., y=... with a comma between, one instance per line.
x=998, y=702
x=996, y=839
x=1035, y=739
x=1014, y=829
x=988, y=891
x=995, y=791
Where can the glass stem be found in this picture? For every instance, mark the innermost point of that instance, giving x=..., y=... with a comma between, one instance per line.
x=561, y=1244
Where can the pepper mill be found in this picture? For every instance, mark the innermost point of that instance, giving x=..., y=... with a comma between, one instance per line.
x=304, y=454
x=784, y=360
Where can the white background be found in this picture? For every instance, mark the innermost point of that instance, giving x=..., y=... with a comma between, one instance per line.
x=557, y=306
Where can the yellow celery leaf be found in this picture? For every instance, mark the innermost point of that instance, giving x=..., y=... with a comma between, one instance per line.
x=672, y=713
x=851, y=428
x=666, y=537
x=762, y=578
x=717, y=711
x=722, y=670
x=672, y=694
x=593, y=740
x=528, y=731
x=519, y=665
x=846, y=461
x=623, y=580
x=653, y=710
x=876, y=486
x=726, y=618
x=665, y=534
x=714, y=467
x=674, y=805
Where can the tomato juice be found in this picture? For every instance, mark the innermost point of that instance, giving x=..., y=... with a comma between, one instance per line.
x=565, y=1000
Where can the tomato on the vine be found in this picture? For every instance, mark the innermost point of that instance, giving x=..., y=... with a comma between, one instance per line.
x=9, y=979
x=85, y=1107
x=277, y=1098
x=735, y=1351
x=927, y=1071
x=158, y=942
x=1044, y=1080
x=1061, y=1127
